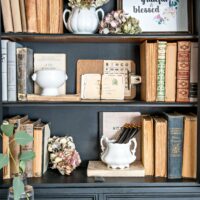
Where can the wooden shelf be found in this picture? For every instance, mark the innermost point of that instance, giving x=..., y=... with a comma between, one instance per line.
x=95, y=38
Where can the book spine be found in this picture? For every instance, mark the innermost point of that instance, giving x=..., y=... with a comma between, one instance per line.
x=175, y=146
x=4, y=60
x=161, y=71
x=183, y=71
x=6, y=169
x=16, y=15
x=23, y=15
x=7, y=16
x=31, y=16
x=45, y=155
x=194, y=72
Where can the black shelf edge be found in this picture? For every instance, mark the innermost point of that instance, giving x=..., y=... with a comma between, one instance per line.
x=98, y=104
x=29, y=37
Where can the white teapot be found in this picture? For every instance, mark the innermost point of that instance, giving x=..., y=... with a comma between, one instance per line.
x=118, y=155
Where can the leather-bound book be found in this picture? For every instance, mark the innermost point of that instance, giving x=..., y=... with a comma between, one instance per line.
x=147, y=140
x=189, y=169
x=183, y=71
x=6, y=169
x=160, y=131
x=43, y=16
x=148, y=53
x=23, y=15
x=56, y=11
x=7, y=16
x=170, y=72
x=16, y=15
x=31, y=16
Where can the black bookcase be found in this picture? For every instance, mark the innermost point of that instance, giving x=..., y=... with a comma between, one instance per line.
x=81, y=120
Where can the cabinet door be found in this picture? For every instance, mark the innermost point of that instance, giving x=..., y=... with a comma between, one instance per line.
x=69, y=197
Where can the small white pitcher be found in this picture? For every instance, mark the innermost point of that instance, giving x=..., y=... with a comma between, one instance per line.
x=82, y=20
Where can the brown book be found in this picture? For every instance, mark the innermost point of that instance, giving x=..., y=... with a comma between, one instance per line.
x=41, y=136
x=31, y=16
x=43, y=16
x=6, y=169
x=14, y=147
x=189, y=169
x=7, y=16
x=170, y=72
x=183, y=71
x=147, y=140
x=28, y=126
x=56, y=21
x=23, y=15
x=160, y=131
x=148, y=53
x=16, y=15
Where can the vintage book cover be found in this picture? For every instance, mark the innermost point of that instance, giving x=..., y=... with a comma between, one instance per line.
x=170, y=72
x=147, y=145
x=113, y=87
x=50, y=61
x=148, y=51
x=43, y=16
x=7, y=16
x=31, y=16
x=162, y=45
x=175, y=145
x=194, y=72
x=6, y=169
x=23, y=15
x=183, y=71
x=160, y=131
x=56, y=20
x=14, y=147
x=28, y=126
x=91, y=86
x=4, y=64
x=16, y=15
x=12, y=70
x=24, y=72
x=41, y=136
x=189, y=169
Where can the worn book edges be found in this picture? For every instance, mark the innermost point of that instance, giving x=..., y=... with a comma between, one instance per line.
x=50, y=61
x=31, y=16
x=170, y=72
x=147, y=145
x=12, y=70
x=194, y=72
x=23, y=15
x=28, y=126
x=56, y=20
x=162, y=45
x=189, y=169
x=6, y=169
x=41, y=136
x=24, y=72
x=175, y=145
x=16, y=15
x=148, y=53
x=183, y=71
x=160, y=131
x=43, y=16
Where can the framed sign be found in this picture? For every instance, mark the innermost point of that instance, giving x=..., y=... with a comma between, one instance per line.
x=160, y=15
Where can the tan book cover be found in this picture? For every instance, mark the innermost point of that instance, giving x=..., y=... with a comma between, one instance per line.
x=23, y=15
x=189, y=169
x=7, y=16
x=160, y=131
x=147, y=145
x=170, y=72
x=43, y=16
x=148, y=53
x=6, y=169
x=16, y=15
x=56, y=12
x=31, y=16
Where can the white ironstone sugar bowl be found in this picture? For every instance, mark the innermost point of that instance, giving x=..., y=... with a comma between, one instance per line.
x=50, y=80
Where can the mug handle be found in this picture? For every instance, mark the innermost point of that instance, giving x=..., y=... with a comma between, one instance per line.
x=34, y=77
x=64, y=16
x=101, y=11
x=133, y=140
x=102, y=144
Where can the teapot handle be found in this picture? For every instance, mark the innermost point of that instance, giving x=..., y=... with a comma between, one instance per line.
x=64, y=16
x=101, y=11
x=134, y=141
x=103, y=147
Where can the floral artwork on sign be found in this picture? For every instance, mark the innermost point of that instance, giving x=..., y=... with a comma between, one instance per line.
x=159, y=15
